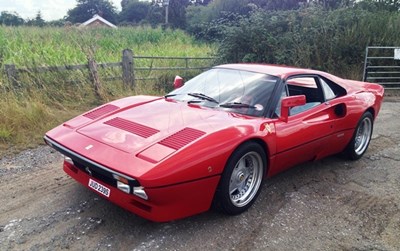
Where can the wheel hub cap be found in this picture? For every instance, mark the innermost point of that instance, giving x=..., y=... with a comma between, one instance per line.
x=246, y=179
x=363, y=136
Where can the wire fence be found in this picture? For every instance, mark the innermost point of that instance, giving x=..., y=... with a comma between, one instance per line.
x=131, y=68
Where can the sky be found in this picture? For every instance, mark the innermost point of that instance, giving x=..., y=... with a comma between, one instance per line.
x=50, y=9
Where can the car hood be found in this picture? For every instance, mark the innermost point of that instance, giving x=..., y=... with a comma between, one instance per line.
x=133, y=129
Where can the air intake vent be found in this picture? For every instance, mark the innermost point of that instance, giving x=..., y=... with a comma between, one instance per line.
x=100, y=111
x=132, y=127
x=182, y=138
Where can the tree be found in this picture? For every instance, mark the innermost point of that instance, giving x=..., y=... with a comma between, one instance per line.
x=335, y=4
x=177, y=13
x=125, y=3
x=86, y=9
x=230, y=9
x=134, y=11
x=379, y=5
x=155, y=16
x=10, y=19
x=39, y=21
x=278, y=4
x=159, y=3
x=200, y=2
x=56, y=23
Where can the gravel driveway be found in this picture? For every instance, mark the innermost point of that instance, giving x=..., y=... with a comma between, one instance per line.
x=333, y=204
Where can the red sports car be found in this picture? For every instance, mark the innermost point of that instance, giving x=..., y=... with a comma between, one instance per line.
x=214, y=140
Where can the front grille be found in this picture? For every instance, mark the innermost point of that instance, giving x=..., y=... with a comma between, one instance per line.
x=96, y=173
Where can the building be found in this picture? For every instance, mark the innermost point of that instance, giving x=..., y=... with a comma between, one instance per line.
x=98, y=21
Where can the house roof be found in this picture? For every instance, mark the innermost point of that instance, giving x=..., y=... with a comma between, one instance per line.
x=98, y=18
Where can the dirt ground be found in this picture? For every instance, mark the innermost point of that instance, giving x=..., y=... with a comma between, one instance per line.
x=333, y=204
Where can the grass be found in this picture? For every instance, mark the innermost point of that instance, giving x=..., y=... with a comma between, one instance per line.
x=30, y=46
x=40, y=101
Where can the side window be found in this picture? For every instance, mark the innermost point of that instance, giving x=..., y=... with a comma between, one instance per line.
x=329, y=94
x=307, y=86
x=331, y=90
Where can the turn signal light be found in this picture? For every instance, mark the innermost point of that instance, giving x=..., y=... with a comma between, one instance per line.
x=121, y=179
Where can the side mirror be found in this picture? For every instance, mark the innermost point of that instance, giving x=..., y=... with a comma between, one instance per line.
x=178, y=82
x=289, y=102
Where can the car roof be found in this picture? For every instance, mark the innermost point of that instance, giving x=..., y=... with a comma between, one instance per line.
x=283, y=71
x=274, y=70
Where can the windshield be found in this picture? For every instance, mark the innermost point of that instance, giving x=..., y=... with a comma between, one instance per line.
x=233, y=90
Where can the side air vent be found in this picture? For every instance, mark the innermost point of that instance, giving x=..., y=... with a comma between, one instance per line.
x=182, y=138
x=132, y=127
x=100, y=111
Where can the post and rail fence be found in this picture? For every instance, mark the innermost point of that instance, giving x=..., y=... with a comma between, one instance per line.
x=381, y=65
x=127, y=65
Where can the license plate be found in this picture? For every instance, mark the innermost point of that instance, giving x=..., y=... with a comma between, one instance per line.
x=99, y=188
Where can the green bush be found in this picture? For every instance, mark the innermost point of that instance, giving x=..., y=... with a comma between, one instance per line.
x=310, y=37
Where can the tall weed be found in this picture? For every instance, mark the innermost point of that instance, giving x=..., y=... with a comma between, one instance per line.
x=39, y=101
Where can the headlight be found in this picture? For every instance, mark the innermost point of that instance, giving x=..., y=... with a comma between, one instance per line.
x=123, y=187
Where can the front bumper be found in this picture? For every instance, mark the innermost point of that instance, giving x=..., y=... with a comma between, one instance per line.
x=160, y=203
x=164, y=203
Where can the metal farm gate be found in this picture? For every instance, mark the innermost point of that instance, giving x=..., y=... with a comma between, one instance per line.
x=382, y=66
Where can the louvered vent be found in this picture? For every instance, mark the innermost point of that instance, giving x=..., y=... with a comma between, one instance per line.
x=182, y=138
x=100, y=111
x=132, y=127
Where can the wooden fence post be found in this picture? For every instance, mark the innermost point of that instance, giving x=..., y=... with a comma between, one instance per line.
x=94, y=76
x=128, y=74
x=12, y=74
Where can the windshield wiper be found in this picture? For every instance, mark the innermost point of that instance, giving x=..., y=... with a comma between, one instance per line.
x=236, y=105
x=203, y=96
x=170, y=95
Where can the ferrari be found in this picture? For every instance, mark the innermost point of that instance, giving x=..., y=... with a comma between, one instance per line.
x=214, y=140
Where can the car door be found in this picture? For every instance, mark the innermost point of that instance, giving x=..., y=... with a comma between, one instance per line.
x=308, y=128
x=338, y=110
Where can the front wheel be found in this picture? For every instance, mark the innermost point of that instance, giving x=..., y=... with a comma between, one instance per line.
x=361, y=138
x=241, y=180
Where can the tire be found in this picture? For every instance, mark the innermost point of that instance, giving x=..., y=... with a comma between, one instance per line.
x=361, y=138
x=241, y=180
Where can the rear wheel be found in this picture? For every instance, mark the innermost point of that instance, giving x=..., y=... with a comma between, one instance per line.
x=361, y=138
x=241, y=180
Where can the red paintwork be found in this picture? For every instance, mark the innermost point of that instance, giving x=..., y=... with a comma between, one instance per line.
x=181, y=182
